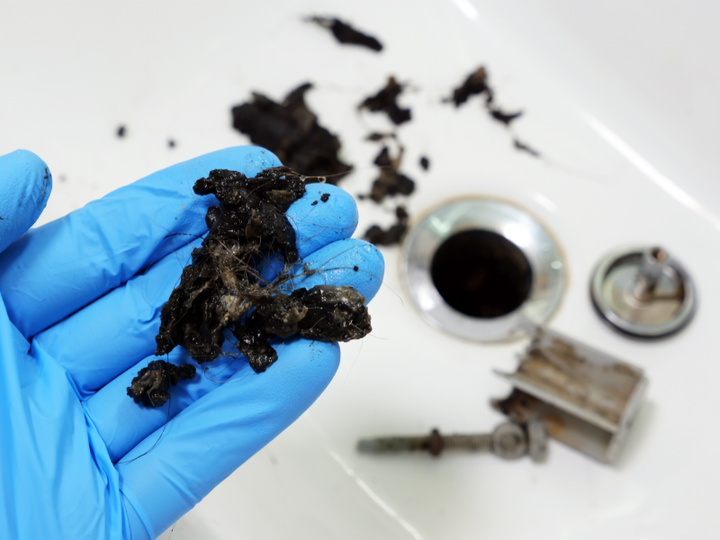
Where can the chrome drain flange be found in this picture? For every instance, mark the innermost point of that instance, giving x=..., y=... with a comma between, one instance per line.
x=643, y=292
x=480, y=269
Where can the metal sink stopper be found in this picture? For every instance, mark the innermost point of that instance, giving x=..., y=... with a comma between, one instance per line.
x=644, y=292
x=586, y=398
x=477, y=268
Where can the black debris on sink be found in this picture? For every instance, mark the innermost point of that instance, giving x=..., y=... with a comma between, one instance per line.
x=291, y=131
x=390, y=180
x=346, y=34
x=392, y=235
x=503, y=117
x=424, y=163
x=377, y=137
x=475, y=84
x=386, y=101
x=525, y=148
x=121, y=130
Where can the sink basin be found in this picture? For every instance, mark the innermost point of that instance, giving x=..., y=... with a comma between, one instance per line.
x=616, y=100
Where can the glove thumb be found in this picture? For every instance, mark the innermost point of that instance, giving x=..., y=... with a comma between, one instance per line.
x=25, y=185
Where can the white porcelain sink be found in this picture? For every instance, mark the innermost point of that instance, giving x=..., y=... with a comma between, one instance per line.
x=621, y=102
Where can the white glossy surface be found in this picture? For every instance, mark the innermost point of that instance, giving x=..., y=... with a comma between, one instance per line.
x=620, y=97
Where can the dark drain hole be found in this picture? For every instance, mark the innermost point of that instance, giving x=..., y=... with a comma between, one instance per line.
x=481, y=274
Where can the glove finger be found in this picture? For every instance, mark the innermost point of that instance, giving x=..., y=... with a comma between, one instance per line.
x=169, y=472
x=126, y=320
x=25, y=185
x=58, y=268
x=123, y=424
x=123, y=326
x=350, y=262
x=325, y=213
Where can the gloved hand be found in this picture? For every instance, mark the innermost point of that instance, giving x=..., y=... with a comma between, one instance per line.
x=80, y=303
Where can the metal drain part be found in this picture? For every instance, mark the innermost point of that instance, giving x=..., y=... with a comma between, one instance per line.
x=481, y=268
x=643, y=292
x=586, y=398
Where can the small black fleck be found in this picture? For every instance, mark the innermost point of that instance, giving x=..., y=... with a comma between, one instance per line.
x=325, y=197
x=425, y=163
x=502, y=116
x=346, y=34
x=525, y=148
x=313, y=203
x=355, y=268
x=2, y=218
x=171, y=143
x=121, y=131
x=376, y=137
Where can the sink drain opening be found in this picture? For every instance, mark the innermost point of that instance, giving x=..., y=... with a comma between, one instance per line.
x=481, y=269
x=481, y=274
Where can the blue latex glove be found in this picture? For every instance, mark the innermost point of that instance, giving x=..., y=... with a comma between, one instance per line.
x=80, y=303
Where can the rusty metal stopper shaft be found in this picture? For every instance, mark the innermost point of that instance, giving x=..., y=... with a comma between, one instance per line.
x=508, y=441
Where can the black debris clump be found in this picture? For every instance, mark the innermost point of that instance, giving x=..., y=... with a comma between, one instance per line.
x=386, y=101
x=323, y=313
x=475, y=84
x=525, y=148
x=425, y=163
x=171, y=143
x=390, y=181
x=376, y=137
x=346, y=34
x=394, y=234
x=223, y=289
x=152, y=384
x=325, y=197
x=503, y=117
x=291, y=131
x=120, y=132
